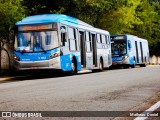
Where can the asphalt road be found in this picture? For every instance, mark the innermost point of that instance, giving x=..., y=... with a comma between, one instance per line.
x=111, y=90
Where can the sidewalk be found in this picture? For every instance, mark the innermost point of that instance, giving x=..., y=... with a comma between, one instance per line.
x=29, y=74
x=10, y=75
x=6, y=75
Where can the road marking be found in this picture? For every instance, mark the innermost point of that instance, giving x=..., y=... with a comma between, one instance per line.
x=151, y=109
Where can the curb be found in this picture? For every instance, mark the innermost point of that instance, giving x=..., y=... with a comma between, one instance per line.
x=153, y=65
x=7, y=78
x=84, y=71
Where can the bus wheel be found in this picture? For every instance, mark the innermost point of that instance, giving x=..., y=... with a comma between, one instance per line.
x=132, y=66
x=74, y=67
x=143, y=65
x=100, y=66
x=125, y=66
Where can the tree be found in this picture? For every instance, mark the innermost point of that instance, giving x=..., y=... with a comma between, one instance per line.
x=137, y=17
x=122, y=18
x=10, y=11
x=149, y=28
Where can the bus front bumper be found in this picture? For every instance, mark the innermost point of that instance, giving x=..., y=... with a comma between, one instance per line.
x=120, y=63
x=45, y=64
x=117, y=63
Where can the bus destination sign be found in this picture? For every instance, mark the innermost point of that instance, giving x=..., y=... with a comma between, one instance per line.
x=35, y=27
x=118, y=37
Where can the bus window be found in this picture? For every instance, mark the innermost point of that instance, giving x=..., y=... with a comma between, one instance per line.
x=119, y=47
x=24, y=42
x=37, y=43
x=107, y=39
x=48, y=40
x=42, y=40
x=98, y=38
x=103, y=39
x=88, y=42
x=72, y=39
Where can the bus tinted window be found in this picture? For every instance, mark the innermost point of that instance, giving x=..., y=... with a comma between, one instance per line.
x=107, y=38
x=119, y=47
x=37, y=41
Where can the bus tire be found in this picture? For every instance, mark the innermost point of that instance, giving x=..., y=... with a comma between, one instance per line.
x=132, y=66
x=126, y=66
x=94, y=70
x=74, y=67
x=142, y=65
x=101, y=65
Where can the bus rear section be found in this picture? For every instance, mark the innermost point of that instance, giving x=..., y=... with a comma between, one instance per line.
x=129, y=50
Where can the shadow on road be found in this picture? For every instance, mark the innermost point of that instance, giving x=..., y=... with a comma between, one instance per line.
x=34, y=74
x=41, y=74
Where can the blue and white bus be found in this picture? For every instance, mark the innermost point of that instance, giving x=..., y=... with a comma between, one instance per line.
x=129, y=50
x=57, y=41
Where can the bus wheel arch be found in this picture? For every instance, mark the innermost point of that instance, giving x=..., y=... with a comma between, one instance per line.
x=101, y=67
x=134, y=63
x=74, y=66
x=143, y=65
x=133, y=66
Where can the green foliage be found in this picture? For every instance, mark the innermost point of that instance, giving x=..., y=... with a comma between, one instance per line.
x=10, y=12
x=137, y=17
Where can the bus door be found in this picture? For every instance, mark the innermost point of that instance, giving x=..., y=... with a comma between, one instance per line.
x=137, y=54
x=141, y=51
x=94, y=49
x=82, y=48
x=89, y=54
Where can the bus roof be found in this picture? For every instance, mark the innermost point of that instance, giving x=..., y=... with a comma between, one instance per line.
x=51, y=18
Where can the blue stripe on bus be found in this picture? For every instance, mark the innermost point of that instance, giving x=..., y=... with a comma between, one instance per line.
x=66, y=62
x=131, y=60
x=39, y=56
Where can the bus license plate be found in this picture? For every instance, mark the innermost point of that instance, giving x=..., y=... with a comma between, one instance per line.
x=34, y=67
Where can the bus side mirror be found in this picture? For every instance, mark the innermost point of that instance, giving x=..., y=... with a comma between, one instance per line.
x=129, y=44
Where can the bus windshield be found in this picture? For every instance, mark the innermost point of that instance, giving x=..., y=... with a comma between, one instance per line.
x=119, y=47
x=36, y=41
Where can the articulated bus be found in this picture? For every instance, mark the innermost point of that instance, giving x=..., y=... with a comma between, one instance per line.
x=129, y=50
x=57, y=41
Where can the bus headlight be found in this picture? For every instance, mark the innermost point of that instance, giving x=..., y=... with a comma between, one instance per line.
x=125, y=57
x=16, y=58
x=54, y=55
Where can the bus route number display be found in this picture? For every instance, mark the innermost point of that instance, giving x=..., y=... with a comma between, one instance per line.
x=35, y=27
x=118, y=38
